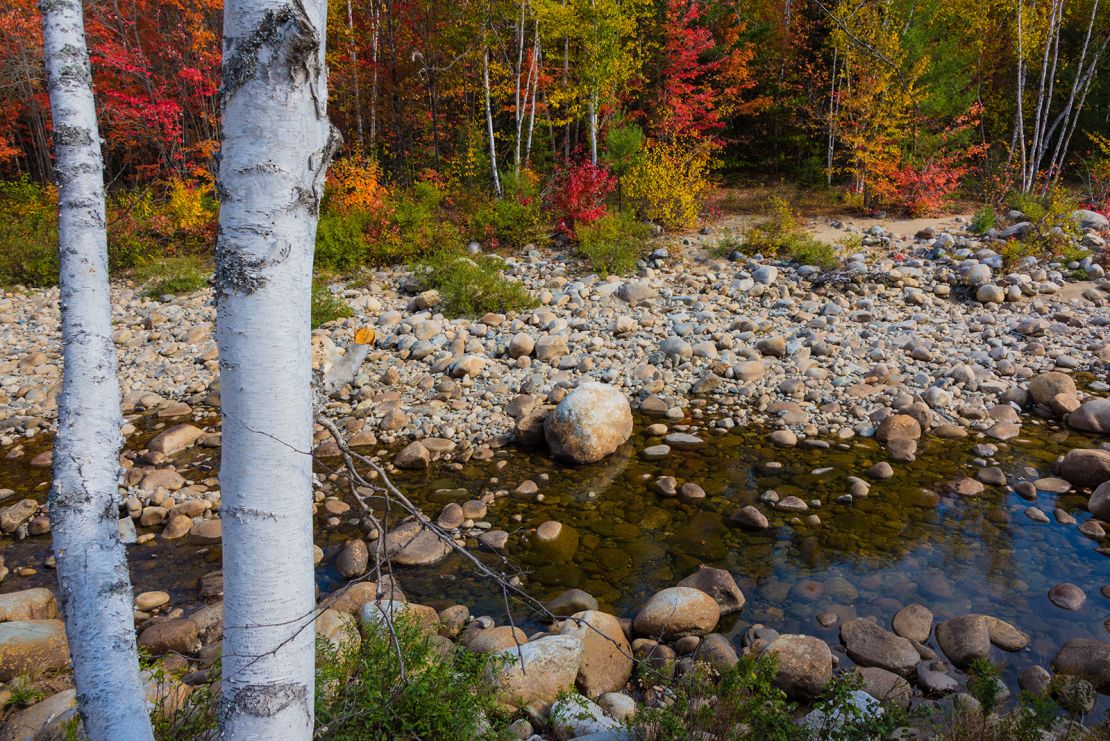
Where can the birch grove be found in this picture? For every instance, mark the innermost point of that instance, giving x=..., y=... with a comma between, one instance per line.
x=277, y=142
x=84, y=501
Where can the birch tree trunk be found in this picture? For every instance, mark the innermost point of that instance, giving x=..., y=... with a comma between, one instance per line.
x=489, y=121
x=84, y=499
x=276, y=146
x=353, y=49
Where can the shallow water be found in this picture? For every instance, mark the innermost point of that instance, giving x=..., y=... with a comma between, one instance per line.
x=906, y=542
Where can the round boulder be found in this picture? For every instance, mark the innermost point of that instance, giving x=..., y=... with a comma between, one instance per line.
x=677, y=611
x=1089, y=467
x=804, y=665
x=1092, y=416
x=590, y=423
x=1047, y=386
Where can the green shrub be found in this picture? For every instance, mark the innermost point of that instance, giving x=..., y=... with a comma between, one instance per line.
x=341, y=244
x=984, y=220
x=613, y=243
x=175, y=275
x=326, y=306
x=409, y=224
x=508, y=222
x=361, y=693
x=471, y=285
x=742, y=704
x=28, y=234
x=809, y=251
x=1032, y=207
x=781, y=234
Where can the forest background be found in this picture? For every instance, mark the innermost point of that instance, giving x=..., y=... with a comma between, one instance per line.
x=517, y=123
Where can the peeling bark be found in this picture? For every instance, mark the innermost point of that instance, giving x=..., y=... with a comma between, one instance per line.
x=277, y=142
x=93, y=579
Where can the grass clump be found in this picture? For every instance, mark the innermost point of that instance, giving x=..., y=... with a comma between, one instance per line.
x=445, y=694
x=472, y=285
x=781, y=234
x=983, y=221
x=326, y=306
x=613, y=243
x=171, y=275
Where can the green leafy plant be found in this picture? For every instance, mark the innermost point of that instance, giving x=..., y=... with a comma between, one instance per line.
x=623, y=143
x=181, y=712
x=983, y=221
x=442, y=692
x=326, y=306
x=781, y=234
x=613, y=243
x=23, y=691
x=471, y=285
x=341, y=241
x=512, y=221
x=728, y=243
x=742, y=703
x=28, y=234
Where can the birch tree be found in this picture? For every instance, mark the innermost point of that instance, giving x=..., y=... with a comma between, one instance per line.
x=277, y=142
x=84, y=499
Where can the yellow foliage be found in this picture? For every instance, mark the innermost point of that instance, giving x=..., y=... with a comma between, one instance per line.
x=669, y=183
x=356, y=185
x=188, y=205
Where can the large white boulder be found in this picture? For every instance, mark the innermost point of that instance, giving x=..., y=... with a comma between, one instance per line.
x=590, y=423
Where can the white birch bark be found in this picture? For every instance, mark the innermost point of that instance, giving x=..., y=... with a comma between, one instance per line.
x=84, y=499
x=489, y=121
x=276, y=146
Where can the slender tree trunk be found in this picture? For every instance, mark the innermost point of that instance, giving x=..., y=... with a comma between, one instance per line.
x=276, y=146
x=1019, y=120
x=831, y=149
x=84, y=499
x=489, y=120
x=593, y=128
x=375, y=13
x=520, y=100
x=537, y=62
x=359, y=142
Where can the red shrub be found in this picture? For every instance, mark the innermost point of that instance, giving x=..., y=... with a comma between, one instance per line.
x=577, y=195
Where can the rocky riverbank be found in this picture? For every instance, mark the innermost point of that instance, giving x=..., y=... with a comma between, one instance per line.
x=886, y=358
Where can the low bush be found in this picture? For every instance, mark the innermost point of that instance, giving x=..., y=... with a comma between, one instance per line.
x=408, y=225
x=781, y=234
x=326, y=306
x=983, y=221
x=171, y=275
x=28, y=234
x=668, y=183
x=613, y=243
x=362, y=693
x=512, y=221
x=744, y=704
x=576, y=196
x=806, y=250
x=472, y=285
x=342, y=245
